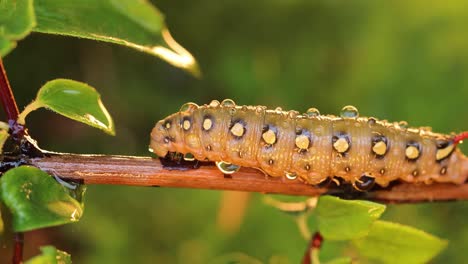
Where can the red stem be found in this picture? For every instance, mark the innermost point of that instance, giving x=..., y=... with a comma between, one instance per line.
x=6, y=96
x=314, y=244
x=460, y=137
x=18, y=248
x=11, y=110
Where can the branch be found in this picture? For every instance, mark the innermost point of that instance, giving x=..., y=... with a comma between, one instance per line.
x=147, y=171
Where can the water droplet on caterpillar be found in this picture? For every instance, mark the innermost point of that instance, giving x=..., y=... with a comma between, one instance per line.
x=311, y=112
x=349, y=111
x=214, y=103
x=189, y=157
x=227, y=168
x=403, y=124
x=228, y=103
x=150, y=149
x=291, y=176
x=188, y=107
x=371, y=121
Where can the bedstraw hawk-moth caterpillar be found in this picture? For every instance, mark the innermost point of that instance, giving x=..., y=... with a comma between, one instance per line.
x=312, y=147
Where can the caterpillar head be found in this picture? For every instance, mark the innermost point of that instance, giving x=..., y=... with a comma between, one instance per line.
x=163, y=136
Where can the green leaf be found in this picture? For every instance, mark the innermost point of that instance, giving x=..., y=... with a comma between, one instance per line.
x=16, y=21
x=346, y=219
x=394, y=243
x=74, y=100
x=343, y=260
x=132, y=23
x=36, y=200
x=51, y=255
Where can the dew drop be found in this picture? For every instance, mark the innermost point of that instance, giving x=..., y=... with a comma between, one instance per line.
x=227, y=168
x=311, y=112
x=349, y=111
x=371, y=121
x=259, y=109
x=75, y=189
x=214, y=103
x=292, y=114
x=291, y=176
x=189, y=157
x=228, y=103
x=188, y=107
x=403, y=124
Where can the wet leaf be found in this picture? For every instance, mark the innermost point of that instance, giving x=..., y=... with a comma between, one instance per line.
x=74, y=100
x=346, y=219
x=389, y=242
x=132, y=23
x=16, y=21
x=36, y=200
x=51, y=255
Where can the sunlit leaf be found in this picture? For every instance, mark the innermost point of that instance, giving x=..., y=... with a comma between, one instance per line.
x=132, y=23
x=36, y=200
x=51, y=255
x=16, y=21
x=74, y=100
x=346, y=219
x=394, y=243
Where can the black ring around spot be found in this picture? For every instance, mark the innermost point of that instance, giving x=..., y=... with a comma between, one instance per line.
x=339, y=135
x=441, y=144
x=305, y=132
x=380, y=138
x=235, y=121
x=212, y=122
x=416, y=145
x=186, y=118
x=272, y=128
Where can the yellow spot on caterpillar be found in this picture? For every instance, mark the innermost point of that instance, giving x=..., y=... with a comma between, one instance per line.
x=341, y=145
x=168, y=125
x=302, y=142
x=238, y=130
x=412, y=152
x=445, y=152
x=207, y=124
x=380, y=148
x=269, y=137
x=186, y=124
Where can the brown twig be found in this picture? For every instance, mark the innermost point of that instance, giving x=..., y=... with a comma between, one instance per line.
x=146, y=171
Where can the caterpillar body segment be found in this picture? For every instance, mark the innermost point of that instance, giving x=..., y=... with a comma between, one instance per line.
x=311, y=146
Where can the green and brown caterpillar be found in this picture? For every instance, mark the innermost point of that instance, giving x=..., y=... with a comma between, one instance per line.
x=313, y=147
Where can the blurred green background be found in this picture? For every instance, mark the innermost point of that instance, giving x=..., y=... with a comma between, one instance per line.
x=398, y=60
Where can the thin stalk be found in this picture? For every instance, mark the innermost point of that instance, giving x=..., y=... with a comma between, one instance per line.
x=147, y=171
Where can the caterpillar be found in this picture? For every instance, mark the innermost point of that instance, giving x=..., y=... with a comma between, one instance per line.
x=315, y=148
